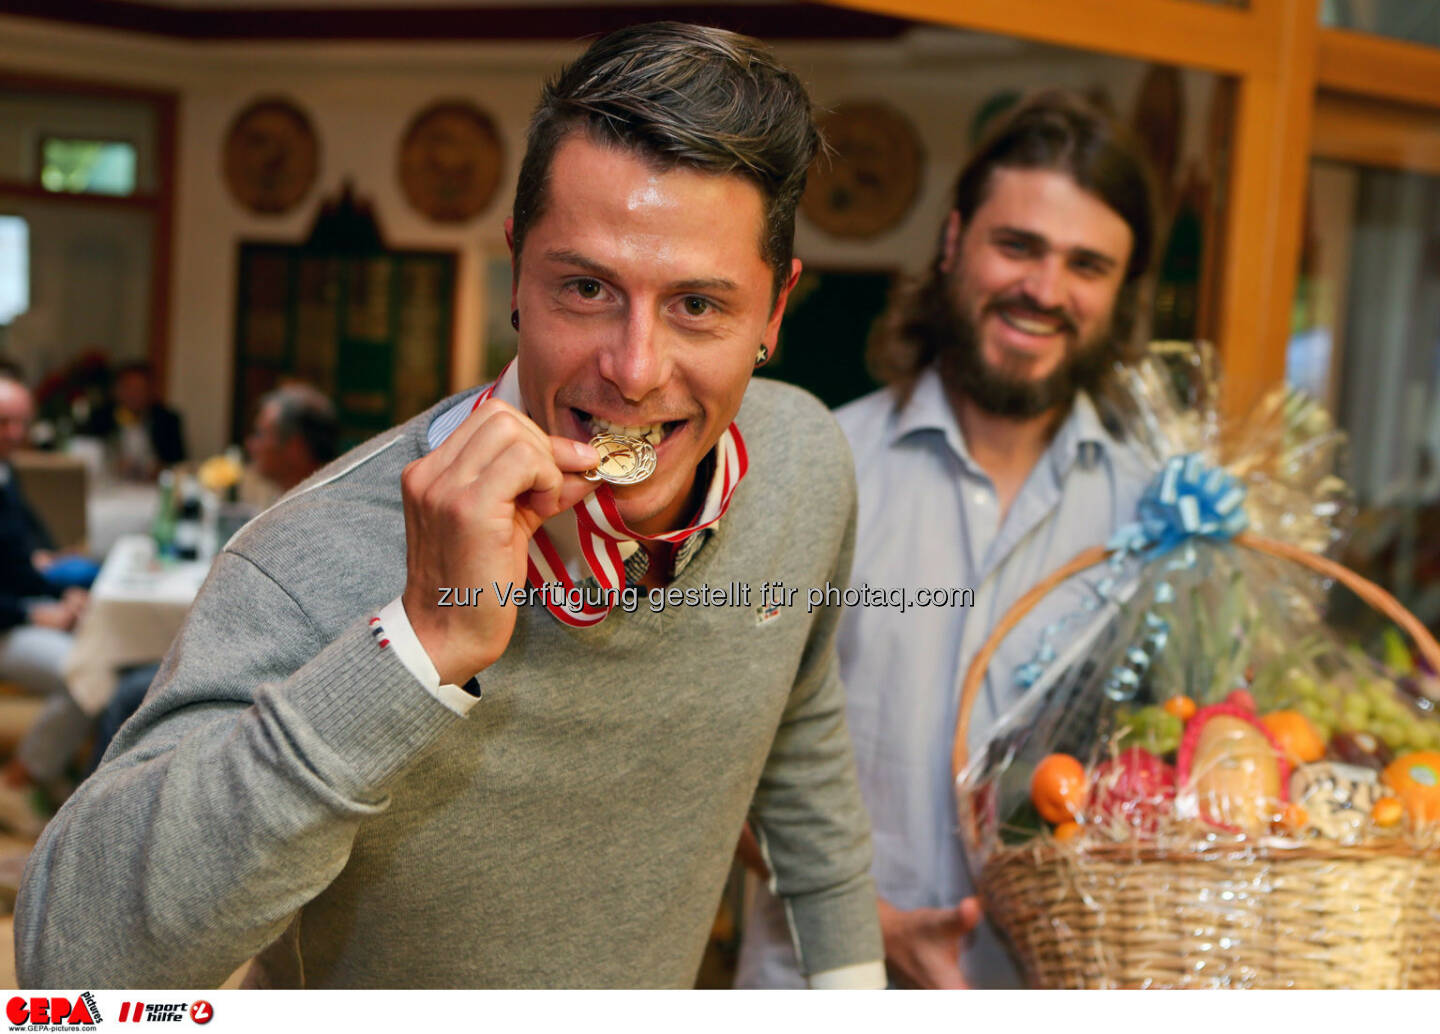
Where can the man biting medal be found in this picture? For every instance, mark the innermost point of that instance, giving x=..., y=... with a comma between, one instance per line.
x=356, y=787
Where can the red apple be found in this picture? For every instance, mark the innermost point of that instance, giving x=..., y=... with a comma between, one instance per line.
x=1136, y=787
x=1242, y=699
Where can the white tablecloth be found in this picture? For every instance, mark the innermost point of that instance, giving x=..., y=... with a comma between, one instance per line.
x=118, y=508
x=137, y=606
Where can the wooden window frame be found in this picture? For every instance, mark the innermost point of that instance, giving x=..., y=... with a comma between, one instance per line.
x=160, y=202
x=1284, y=66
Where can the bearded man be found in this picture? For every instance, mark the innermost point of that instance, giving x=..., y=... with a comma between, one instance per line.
x=988, y=461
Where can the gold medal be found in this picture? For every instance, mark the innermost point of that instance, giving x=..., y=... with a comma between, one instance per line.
x=623, y=460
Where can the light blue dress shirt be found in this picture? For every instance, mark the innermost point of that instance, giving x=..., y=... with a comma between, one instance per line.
x=929, y=518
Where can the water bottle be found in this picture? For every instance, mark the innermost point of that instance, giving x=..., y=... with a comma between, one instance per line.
x=188, y=520
x=162, y=528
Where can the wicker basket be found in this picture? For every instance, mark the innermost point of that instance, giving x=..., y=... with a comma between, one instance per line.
x=1130, y=915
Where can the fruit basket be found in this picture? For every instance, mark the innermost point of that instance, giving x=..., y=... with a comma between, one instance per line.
x=1205, y=782
x=1195, y=905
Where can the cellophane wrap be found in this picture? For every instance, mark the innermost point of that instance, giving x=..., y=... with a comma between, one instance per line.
x=1203, y=781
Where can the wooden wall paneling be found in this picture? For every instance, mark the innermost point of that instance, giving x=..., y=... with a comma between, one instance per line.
x=1374, y=66
x=1377, y=133
x=1176, y=32
x=1266, y=202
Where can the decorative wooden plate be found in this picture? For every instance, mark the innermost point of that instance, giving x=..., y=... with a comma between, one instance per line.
x=271, y=156
x=450, y=161
x=868, y=185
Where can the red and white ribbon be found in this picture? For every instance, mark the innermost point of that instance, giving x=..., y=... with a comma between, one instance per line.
x=596, y=526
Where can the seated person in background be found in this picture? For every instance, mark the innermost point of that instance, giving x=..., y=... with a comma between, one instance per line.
x=145, y=433
x=36, y=617
x=295, y=434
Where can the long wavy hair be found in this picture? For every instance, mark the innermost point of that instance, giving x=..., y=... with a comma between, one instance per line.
x=1053, y=130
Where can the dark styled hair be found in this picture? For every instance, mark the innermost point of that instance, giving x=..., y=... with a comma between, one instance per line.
x=681, y=95
x=301, y=409
x=1052, y=130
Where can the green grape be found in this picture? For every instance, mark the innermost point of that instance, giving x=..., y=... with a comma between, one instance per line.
x=1154, y=729
x=1394, y=734
x=1301, y=686
x=1390, y=711
x=1312, y=710
x=1381, y=693
x=1355, y=713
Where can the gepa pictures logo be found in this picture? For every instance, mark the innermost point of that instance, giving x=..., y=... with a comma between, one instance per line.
x=53, y=1011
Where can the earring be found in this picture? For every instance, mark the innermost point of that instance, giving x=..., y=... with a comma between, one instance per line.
x=515, y=318
x=762, y=355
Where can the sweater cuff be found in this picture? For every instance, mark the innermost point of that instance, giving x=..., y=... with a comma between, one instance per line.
x=837, y=928
x=361, y=700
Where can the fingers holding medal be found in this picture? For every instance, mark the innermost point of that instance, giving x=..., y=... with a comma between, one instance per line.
x=624, y=459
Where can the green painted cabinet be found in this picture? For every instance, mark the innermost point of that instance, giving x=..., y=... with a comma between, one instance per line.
x=371, y=329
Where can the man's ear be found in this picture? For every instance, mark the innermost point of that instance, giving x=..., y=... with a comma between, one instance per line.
x=514, y=272
x=772, y=329
x=950, y=241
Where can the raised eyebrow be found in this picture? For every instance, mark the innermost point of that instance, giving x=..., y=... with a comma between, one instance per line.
x=599, y=269
x=574, y=258
x=1015, y=233
x=1099, y=258
x=714, y=284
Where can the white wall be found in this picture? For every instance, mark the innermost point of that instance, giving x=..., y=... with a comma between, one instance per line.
x=361, y=97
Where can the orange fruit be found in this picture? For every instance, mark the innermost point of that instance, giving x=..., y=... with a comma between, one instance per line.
x=1296, y=735
x=1294, y=817
x=1387, y=811
x=1182, y=707
x=1058, y=788
x=1066, y=831
x=1416, y=778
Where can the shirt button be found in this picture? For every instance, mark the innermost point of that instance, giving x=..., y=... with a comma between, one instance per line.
x=981, y=497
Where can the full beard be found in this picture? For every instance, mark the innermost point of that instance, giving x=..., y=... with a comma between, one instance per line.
x=963, y=367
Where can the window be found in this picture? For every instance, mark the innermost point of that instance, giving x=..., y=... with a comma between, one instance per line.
x=14, y=267
x=72, y=166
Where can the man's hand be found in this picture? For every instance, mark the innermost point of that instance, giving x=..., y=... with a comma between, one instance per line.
x=922, y=945
x=52, y=615
x=471, y=508
x=748, y=853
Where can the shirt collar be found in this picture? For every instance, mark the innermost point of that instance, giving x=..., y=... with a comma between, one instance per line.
x=928, y=409
x=1081, y=437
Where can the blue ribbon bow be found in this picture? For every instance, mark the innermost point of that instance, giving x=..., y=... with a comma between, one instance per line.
x=1187, y=499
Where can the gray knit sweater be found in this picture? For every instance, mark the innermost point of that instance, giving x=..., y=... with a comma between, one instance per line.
x=289, y=790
